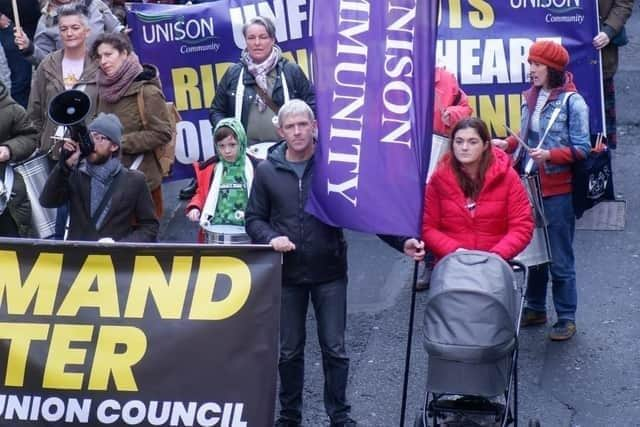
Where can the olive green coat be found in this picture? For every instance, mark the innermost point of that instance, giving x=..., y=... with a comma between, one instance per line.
x=613, y=16
x=136, y=139
x=20, y=136
x=47, y=83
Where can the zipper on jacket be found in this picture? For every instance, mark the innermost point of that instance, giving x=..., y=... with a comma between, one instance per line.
x=301, y=211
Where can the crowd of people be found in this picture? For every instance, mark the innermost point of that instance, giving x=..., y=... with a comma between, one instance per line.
x=256, y=186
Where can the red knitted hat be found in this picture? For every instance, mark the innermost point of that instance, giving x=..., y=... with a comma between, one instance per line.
x=550, y=54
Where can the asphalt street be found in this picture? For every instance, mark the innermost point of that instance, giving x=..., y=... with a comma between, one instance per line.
x=591, y=380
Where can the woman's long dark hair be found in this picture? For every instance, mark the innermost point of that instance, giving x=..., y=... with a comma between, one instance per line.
x=555, y=77
x=471, y=186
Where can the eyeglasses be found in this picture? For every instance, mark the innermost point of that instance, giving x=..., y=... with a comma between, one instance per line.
x=98, y=137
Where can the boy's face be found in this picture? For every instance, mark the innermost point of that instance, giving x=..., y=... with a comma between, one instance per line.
x=228, y=148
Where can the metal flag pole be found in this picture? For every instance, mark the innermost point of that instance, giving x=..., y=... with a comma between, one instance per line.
x=407, y=361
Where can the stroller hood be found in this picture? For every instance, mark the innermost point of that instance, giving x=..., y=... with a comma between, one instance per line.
x=471, y=314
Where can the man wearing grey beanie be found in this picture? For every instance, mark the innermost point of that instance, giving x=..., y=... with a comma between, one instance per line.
x=107, y=201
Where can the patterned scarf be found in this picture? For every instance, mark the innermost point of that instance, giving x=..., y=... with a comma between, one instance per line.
x=101, y=178
x=260, y=71
x=112, y=88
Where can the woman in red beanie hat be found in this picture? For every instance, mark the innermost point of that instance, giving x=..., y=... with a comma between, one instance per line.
x=555, y=119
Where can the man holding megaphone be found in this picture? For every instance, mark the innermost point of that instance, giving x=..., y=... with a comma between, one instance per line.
x=107, y=202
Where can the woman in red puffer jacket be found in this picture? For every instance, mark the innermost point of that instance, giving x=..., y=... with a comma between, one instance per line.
x=475, y=199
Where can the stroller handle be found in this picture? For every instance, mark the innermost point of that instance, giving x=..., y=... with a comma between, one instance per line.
x=520, y=267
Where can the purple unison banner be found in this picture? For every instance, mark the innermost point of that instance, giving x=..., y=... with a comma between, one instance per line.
x=373, y=68
x=193, y=46
x=485, y=44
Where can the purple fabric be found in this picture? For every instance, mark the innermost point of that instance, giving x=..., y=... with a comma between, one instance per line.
x=373, y=69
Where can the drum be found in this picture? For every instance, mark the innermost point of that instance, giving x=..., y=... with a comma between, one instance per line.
x=260, y=151
x=538, y=251
x=226, y=235
x=34, y=172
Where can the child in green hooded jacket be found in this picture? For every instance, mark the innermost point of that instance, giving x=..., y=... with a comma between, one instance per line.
x=224, y=185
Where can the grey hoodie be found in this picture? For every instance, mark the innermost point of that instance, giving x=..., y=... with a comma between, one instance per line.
x=5, y=73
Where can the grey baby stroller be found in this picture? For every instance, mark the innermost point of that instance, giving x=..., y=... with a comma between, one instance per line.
x=471, y=327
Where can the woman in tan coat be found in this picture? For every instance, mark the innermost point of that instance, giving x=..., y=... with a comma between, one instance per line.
x=123, y=85
x=67, y=68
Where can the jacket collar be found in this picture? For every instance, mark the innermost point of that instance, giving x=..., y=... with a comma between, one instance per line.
x=277, y=155
x=53, y=68
x=531, y=95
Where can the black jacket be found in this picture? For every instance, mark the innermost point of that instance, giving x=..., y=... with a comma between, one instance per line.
x=131, y=216
x=276, y=208
x=29, y=11
x=224, y=102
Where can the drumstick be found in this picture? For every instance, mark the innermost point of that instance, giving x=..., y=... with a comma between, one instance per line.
x=16, y=16
x=517, y=137
x=599, y=143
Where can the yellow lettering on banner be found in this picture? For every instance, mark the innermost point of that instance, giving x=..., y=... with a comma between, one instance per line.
x=455, y=13
x=185, y=87
x=515, y=111
x=498, y=110
x=221, y=69
x=208, y=84
x=202, y=307
x=96, y=269
x=302, y=59
x=20, y=336
x=42, y=280
x=148, y=278
x=483, y=16
x=194, y=89
x=110, y=362
x=61, y=354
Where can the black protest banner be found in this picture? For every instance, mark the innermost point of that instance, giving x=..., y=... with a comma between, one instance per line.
x=162, y=335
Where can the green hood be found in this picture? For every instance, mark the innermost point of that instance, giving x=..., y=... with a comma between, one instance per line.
x=241, y=136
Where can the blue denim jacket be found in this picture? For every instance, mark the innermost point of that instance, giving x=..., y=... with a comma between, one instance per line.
x=571, y=126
